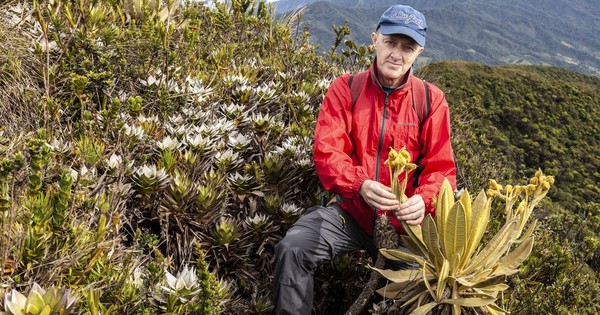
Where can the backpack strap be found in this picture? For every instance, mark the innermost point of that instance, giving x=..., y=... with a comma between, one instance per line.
x=356, y=83
x=422, y=106
x=421, y=102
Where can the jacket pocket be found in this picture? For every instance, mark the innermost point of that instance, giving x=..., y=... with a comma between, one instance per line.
x=407, y=136
x=402, y=135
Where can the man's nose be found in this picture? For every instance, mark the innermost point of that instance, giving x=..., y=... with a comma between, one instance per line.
x=396, y=54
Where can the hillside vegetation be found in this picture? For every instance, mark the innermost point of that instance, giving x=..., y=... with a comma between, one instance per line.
x=154, y=152
x=510, y=120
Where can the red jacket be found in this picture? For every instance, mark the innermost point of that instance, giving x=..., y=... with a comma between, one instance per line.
x=351, y=147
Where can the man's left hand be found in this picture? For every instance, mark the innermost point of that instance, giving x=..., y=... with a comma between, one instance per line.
x=412, y=210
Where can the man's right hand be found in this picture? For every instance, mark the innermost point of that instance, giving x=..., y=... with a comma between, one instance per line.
x=378, y=196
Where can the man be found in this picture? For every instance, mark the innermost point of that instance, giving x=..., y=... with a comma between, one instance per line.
x=352, y=142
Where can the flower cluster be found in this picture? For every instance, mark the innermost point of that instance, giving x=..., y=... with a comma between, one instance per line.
x=398, y=162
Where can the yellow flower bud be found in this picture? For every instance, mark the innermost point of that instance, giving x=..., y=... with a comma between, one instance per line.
x=401, y=161
x=392, y=154
x=494, y=185
x=410, y=167
x=405, y=154
x=533, y=181
x=518, y=189
x=546, y=185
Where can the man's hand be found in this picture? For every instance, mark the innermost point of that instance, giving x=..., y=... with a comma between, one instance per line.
x=412, y=210
x=378, y=196
x=381, y=197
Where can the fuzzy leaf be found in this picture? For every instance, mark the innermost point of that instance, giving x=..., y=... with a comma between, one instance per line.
x=399, y=275
x=35, y=302
x=480, y=212
x=495, y=288
x=424, y=309
x=396, y=254
x=18, y=297
x=465, y=200
x=32, y=309
x=456, y=234
x=479, y=282
x=418, y=297
x=427, y=284
x=12, y=307
x=454, y=262
x=414, y=232
x=494, y=248
x=46, y=311
x=431, y=240
x=470, y=302
x=528, y=232
x=444, y=202
x=481, y=275
x=412, y=245
x=509, y=264
x=494, y=309
x=442, y=279
x=396, y=290
x=478, y=293
x=464, y=282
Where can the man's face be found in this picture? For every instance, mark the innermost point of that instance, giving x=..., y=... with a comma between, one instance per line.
x=395, y=56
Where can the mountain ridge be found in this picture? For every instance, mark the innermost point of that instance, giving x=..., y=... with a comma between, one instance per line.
x=556, y=32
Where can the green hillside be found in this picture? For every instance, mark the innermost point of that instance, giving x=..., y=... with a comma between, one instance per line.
x=153, y=153
x=539, y=117
x=509, y=121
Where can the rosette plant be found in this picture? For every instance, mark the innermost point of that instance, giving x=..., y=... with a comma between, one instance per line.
x=458, y=272
x=39, y=301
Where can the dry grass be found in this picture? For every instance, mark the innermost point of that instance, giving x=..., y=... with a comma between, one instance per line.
x=20, y=90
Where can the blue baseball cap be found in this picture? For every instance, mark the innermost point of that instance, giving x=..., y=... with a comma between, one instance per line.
x=402, y=19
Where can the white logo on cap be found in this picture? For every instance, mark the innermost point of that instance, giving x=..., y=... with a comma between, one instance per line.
x=408, y=18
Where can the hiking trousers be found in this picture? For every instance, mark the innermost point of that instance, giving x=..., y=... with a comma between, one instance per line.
x=318, y=236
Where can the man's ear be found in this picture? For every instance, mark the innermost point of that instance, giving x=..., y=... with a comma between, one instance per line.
x=421, y=49
x=374, y=37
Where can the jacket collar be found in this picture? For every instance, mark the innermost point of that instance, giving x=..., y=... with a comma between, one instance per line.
x=379, y=85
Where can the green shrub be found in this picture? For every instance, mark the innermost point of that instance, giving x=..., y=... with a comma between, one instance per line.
x=144, y=137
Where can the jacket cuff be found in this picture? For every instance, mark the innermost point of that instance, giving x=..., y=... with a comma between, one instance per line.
x=360, y=179
x=427, y=198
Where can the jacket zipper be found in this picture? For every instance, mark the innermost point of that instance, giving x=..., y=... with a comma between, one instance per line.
x=380, y=145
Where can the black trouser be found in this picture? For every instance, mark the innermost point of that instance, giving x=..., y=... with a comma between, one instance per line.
x=318, y=236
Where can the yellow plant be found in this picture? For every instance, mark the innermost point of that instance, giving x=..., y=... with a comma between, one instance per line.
x=457, y=271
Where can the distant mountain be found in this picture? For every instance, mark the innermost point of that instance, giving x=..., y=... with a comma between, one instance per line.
x=543, y=32
x=282, y=6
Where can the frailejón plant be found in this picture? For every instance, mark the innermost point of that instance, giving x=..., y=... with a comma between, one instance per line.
x=457, y=271
x=39, y=301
